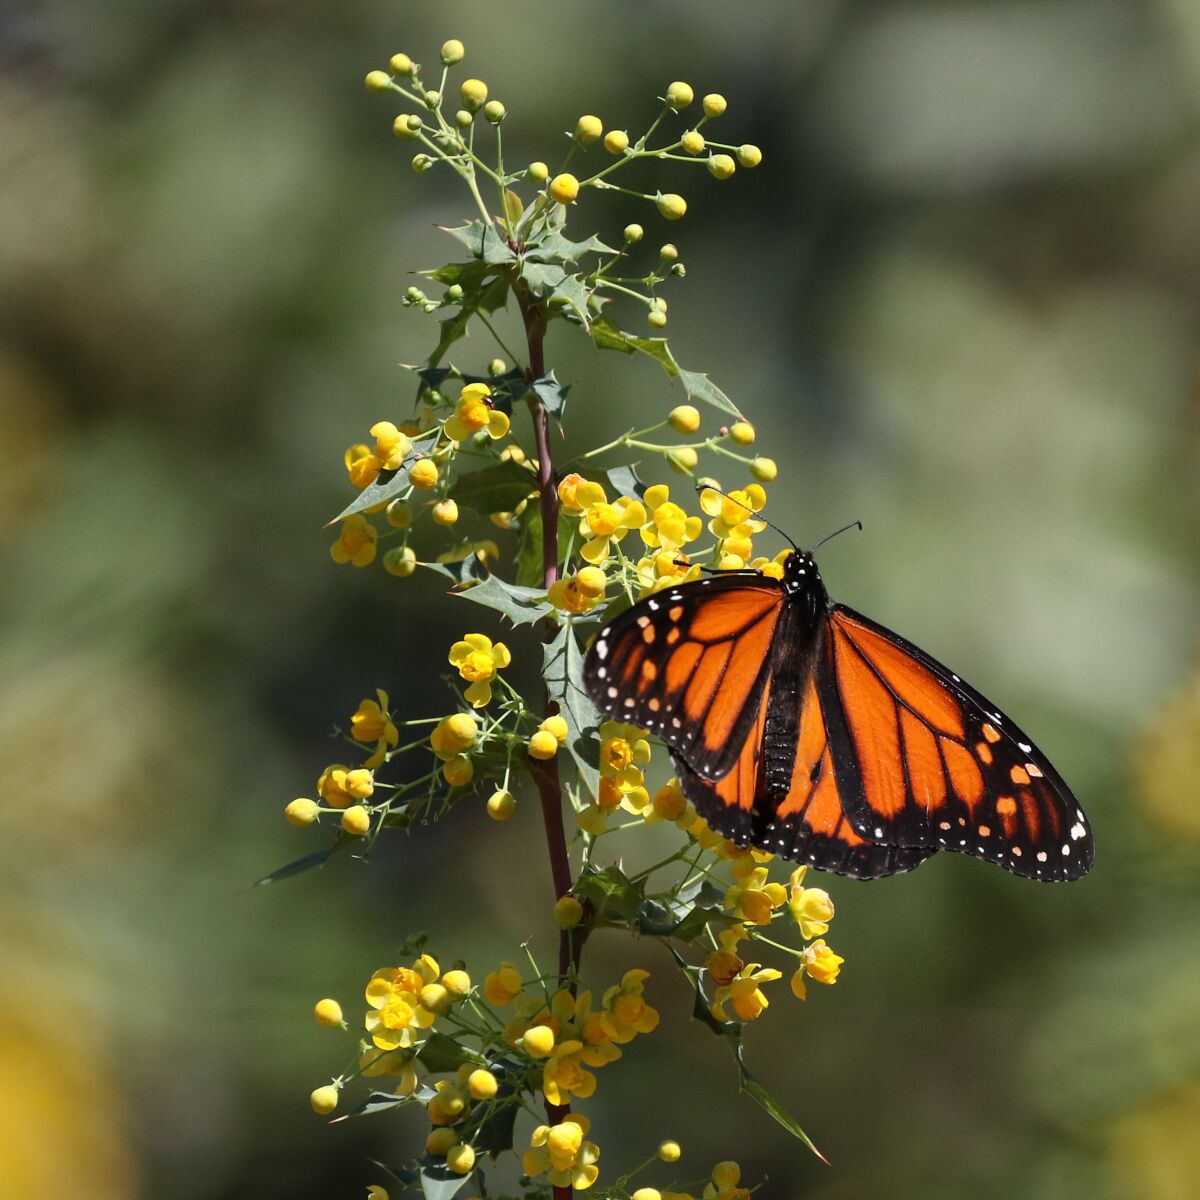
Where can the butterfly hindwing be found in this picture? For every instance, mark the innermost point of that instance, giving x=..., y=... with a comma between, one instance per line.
x=690, y=664
x=922, y=759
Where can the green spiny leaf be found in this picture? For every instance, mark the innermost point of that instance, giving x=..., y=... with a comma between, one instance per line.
x=573, y=293
x=562, y=668
x=607, y=336
x=440, y=1183
x=554, y=245
x=753, y=1088
x=521, y=605
x=455, y=327
x=499, y=487
x=613, y=894
x=542, y=278
x=699, y=387
x=552, y=394
x=482, y=241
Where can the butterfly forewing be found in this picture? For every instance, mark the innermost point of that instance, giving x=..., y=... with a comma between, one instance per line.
x=690, y=665
x=922, y=759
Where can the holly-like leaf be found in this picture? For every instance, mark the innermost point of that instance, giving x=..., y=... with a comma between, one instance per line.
x=317, y=859
x=607, y=336
x=613, y=894
x=699, y=387
x=455, y=327
x=551, y=393
x=573, y=294
x=440, y=1053
x=542, y=278
x=499, y=487
x=468, y=275
x=482, y=241
x=404, y=1175
x=554, y=245
x=440, y=1183
x=562, y=668
x=378, y=1102
x=521, y=605
x=753, y=1088
x=625, y=482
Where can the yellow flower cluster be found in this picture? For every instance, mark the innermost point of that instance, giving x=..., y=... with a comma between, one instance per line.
x=624, y=752
x=474, y=412
x=391, y=448
x=733, y=523
x=561, y=1154
x=602, y=524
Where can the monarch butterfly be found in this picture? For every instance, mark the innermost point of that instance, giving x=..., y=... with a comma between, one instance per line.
x=798, y=726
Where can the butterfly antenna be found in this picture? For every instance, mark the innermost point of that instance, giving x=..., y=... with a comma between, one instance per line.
x=830, y=536
x=708, y=487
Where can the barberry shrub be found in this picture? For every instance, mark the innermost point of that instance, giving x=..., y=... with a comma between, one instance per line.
x=503, y=1056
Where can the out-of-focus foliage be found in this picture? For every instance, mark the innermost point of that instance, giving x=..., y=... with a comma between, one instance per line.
x=960, y=298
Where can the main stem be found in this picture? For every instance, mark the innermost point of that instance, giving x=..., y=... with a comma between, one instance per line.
x=545, y=772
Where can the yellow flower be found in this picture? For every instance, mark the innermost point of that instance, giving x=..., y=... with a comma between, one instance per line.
x=324, y=1099
x=624, y=750
x=714, y=104
x=588, y=129
x=626, y=1012
x=391, y=446
x=683, y=418
x=743, y=993
x=564, y=1075
x=503, y=985
x=458, y=771
x=474, y=412
x=771, y=566
x=668, y=527
x=501, y=805
x=423, y=474
x=454, y=734
x=376, y=1191
x=616, y=141
x=560, y=1153
x=478, y=660
x=721, y=166
x=669, y=803
x=811, y=907
x=578, y=593
x=361, y=465
x=603, y=523
x=724, y=1185
x=328, y=1012
x=543, y=744
x=397, y=1013
x=820, y=964
x=741, y=433
x=568, y=488
x=372, y=722
x=692, y=142
x=724, y=964
x=340, y=786
x=301, y=812
x=752, y=899
x=373, y=1063
x=356, y=542
x=356, y=820
x=568, y=912
x=671, y=205
x=663, y=570
x=733, y=515
x=564, y=188
x=749, y=156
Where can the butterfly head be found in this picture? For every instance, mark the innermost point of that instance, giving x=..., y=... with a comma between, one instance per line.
x=800, y=572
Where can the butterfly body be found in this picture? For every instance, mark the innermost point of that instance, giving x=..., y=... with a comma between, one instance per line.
x=799, y=726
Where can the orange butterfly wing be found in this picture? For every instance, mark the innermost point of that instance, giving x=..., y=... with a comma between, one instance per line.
x=809, y=824
x=690, y=664
x=922, y=759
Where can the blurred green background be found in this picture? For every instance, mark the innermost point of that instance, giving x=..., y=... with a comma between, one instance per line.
x=960, y=300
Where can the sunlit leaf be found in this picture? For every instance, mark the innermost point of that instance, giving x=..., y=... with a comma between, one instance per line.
x=551, y=393
x=699, y=387
x=499, y=487
x=542, y=278
x=307, y=863
x=521, y=605
x=613, y=894
x=573, y=293
x=554, y=245
x=607, y=336
x=753, y=1088
x=440, y=1183
x=482, y=241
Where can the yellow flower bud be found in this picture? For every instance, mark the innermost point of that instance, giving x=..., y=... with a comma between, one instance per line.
x=764, y=469
x=683, y=459
x=543, y=745
x=495, y=112
x=356, y=820
x=656, y=318
x=435, y=998
x=668, y=252
x=671, y=205
x=669, y=1151
x=401, y=64
x=564, y=188
x=679, y=95
x=400, y=561
x=461, y=1160
x=301, y=812
x=432, y=99
x=441, y=1141
x=538, y=1041
x=591, y=581
x=588, y=129
x=556, y=726
x=328, y=1013
x=749, y=156
x=714, y=104
x=633, y=233
x=324, y=1099
x=501, y=805
x=453, y=52
x=399, y=514
x=616, y=141
x=458, y=771
x=421, y=163
x=685, y=418
x=423, y=474
x=445, y=512
x=407, y=126
x=742, y=433
x=538, y=172
x=497, y=366
x=463, y=118
x=473, y=93
x=482, y=1084
x=647, y=1193
x=726, y=1174
x=568, y=912
x=378, y=81
x=692, y=141
x=721, y=166
x=457, y=982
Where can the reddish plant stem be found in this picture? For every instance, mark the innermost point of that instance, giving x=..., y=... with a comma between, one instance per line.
x=546, y=773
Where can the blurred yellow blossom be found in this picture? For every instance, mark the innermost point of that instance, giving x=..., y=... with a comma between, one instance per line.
x=473, y=412
x=568, y=488
x=811, y=908
x=340, y=786
x=397, y=1013
x=743, y=994
x=626, y=1012
x=752, y=898
x=356, y=542
x=560, y=1153
x=478, y=660
x=503, y=985
x=724, y=964
x=820, y=964
x=372, y=722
